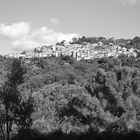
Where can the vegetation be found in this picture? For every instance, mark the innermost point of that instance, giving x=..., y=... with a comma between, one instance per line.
x=59, y=97
x=14, y=109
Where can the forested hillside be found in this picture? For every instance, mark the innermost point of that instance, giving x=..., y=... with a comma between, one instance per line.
x=63, y=96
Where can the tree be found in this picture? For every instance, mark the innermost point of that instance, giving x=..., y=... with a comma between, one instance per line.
x=11, y=99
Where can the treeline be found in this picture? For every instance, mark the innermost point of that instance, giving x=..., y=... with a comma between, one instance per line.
x=59, y=96
x=128, y=43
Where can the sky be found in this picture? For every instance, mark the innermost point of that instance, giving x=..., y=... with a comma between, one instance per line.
x=26, y=24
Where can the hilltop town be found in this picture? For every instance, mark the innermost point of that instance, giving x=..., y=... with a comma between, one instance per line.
x=83, y=50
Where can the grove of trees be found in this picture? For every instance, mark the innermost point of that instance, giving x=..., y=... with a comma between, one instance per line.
x=74, y=97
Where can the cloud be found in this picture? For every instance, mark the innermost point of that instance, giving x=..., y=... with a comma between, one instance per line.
x=55, y=21
x=30, y=39
x=16, y=30
x=128, y=2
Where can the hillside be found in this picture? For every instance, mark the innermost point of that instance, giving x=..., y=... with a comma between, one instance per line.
x=85, y=48
x=100, y=95
x=50, y=96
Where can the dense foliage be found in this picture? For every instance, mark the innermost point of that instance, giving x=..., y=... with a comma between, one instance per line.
x=75, y=97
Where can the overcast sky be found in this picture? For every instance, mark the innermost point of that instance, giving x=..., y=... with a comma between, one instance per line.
x=25, y=24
